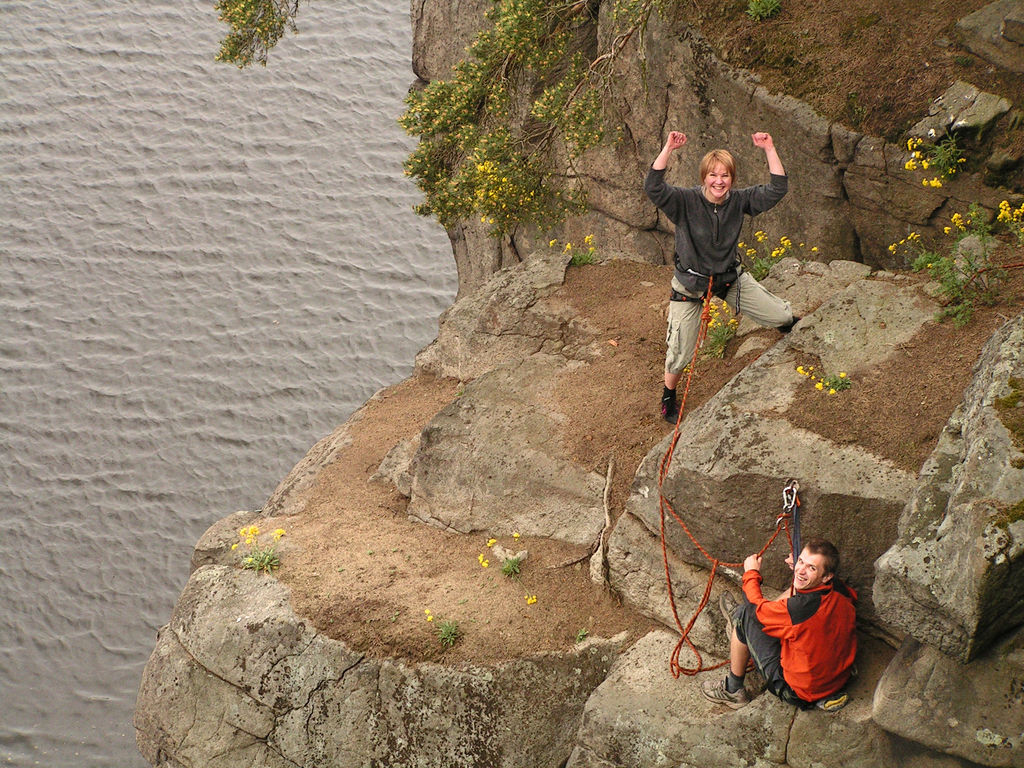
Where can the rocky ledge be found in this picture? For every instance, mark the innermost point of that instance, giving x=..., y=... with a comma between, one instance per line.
x=239, y=677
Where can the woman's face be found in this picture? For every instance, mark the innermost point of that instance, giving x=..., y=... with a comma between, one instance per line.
x=717, y=183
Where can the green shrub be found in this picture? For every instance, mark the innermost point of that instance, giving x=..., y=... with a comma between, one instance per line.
x=759, y=10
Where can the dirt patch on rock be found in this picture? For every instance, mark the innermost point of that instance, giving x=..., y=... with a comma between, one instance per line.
x=873, y=66
x=897, y=409
x=362, y=572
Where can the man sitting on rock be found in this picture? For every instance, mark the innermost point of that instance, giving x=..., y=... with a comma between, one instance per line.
x=802, y=643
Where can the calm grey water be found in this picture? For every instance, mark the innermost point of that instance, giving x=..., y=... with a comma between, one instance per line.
x=202, y=272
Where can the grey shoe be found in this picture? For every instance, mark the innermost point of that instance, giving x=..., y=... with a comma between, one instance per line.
x=714, y=690
x=727, y=605
x=833, y=703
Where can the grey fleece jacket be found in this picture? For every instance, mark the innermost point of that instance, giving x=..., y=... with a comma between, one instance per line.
x=707, y=234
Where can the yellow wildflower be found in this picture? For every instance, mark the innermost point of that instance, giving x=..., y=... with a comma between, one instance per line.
x=819, y=385
x=491, y=542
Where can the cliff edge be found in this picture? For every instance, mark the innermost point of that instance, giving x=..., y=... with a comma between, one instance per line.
x=528, y=433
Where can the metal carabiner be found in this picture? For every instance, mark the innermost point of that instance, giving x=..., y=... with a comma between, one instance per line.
x=789, y=496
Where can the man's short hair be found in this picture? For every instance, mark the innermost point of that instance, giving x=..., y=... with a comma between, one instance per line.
x=827, y=550
x=715, y=156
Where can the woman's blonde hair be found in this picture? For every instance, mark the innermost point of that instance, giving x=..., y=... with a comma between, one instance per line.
x=715, y=156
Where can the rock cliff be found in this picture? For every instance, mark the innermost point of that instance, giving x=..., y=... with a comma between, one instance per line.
x=248, y=672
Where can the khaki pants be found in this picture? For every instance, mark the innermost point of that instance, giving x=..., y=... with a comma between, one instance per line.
x=746, y=295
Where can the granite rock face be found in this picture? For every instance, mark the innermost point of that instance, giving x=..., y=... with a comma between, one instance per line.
x=954, y=578
x=850, y=194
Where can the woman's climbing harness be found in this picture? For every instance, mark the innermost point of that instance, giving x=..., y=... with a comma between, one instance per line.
x=786, y=520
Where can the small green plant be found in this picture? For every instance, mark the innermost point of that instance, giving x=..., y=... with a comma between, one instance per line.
x=944, y=159
x=581, y=634
x=855, y=111
x=578, y=256
x=759, y=10
x=721, y=328
x=829, y=384
x=259, y=557
x=448, y=632
x=761, y=256
x=966, y=272
x=512, y=567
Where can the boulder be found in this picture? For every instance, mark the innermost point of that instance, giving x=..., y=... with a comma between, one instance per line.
x=806, y=285
x=492, y=461
x=975, y=711
x=641, y=717
x=739, y=450
x=636, y=570
x=238, y=679
x=962, y=107
x=395, y=467
x=996, y=33
x=953, y=579
x=511, y=316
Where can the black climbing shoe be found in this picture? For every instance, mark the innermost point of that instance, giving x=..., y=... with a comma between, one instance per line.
x=789, y=326
x=669, y=408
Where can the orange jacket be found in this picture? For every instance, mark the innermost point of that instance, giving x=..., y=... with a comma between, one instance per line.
x=817, y=632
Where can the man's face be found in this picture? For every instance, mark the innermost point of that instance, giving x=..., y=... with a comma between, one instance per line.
x=809, y=571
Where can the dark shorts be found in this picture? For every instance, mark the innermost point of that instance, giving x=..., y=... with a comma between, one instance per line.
x=766, y=651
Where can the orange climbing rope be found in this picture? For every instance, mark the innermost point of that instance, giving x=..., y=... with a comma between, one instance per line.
x=782, y=523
